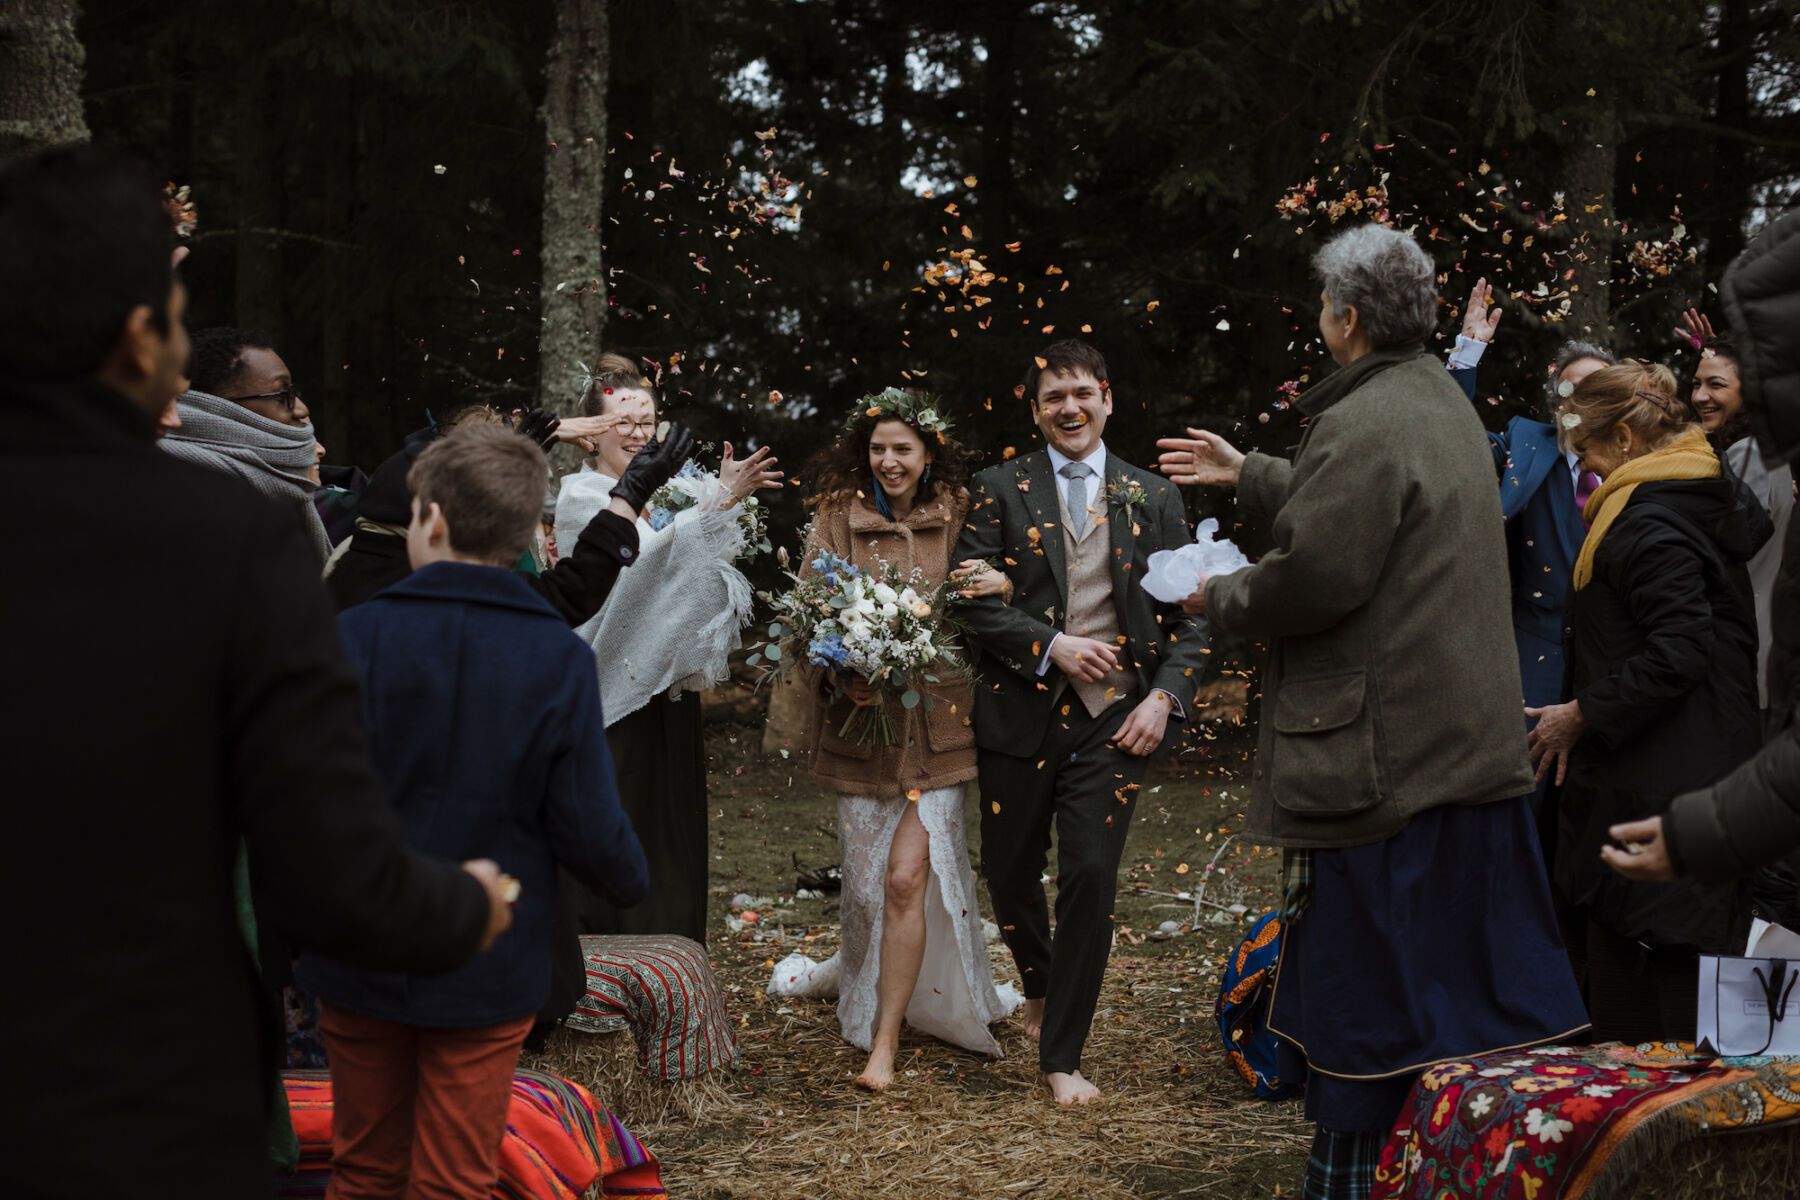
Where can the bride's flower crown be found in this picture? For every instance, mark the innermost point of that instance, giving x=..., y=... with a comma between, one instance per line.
x=919, y=410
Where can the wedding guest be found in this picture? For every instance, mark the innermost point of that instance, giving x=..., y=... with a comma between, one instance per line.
x=1541, y=494
x=1661, y=692
x=576, y=585
x=665, y=631
x=1390, y=766
x=1718, y=399
x=1751, y=818
x=1082, y=677
x=893, y=489
x=488, y=733
x=236, y=725
x=254, y=425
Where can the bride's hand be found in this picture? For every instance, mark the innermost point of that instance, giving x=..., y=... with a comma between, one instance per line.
x=974, y=579
x=743, y=477
x=860, y=691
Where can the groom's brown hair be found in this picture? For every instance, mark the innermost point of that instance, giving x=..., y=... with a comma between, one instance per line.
x=1061, y=359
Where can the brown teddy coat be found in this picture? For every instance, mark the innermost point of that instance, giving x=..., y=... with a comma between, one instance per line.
x=937, y=748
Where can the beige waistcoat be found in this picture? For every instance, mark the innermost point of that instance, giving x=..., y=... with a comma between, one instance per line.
x=1090, y=611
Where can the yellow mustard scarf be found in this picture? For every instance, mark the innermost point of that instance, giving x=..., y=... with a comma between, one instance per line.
x=1689, y=456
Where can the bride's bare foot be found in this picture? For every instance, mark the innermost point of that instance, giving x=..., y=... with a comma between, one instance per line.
x=1034, y=1017
x=879, y=1072
x=1071, y=1088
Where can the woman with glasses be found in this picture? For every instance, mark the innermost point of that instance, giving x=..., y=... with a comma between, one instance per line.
x=243, y=415
x=665, y=632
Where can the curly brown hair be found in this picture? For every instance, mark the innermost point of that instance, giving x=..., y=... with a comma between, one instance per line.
x=841, y=470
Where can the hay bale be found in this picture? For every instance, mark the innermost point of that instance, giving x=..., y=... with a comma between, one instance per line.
x=1757, y=1162
x=606, y=1064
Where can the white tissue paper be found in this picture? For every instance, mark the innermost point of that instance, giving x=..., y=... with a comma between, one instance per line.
x=1175, y=574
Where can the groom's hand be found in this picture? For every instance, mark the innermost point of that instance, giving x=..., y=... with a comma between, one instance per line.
x=1143, y=730
x=1083, y=658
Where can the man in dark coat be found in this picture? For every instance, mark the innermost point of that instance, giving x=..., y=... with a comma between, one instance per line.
x=1082, y=675
x=1751, y=818
x=181, y=694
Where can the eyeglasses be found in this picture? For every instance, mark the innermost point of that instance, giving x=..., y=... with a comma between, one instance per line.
x=289, y=396
x=635, y=428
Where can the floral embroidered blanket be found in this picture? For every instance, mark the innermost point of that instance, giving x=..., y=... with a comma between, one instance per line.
x=1571, y=1122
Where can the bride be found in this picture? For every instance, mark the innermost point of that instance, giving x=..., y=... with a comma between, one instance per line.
x=666, y=632
x=892, y=489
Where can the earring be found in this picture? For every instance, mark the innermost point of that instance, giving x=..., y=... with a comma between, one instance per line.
x=926, y=476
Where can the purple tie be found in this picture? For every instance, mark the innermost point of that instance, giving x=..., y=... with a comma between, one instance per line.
x=1586, y=485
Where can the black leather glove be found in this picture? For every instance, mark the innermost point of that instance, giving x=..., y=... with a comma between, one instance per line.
x=654, y=466
x=536, y=424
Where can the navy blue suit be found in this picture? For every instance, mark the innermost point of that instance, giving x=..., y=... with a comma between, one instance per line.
x=485, y=714
x=1544, y=532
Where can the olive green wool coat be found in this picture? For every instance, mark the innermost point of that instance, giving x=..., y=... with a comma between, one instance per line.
x=1392, y=684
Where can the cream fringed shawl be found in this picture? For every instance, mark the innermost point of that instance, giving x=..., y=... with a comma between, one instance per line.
x=677, y=611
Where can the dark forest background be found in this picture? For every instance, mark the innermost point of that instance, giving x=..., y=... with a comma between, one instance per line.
x=804, y=200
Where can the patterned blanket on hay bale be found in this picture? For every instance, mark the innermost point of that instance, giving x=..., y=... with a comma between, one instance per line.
x=1580, y=1122
x=663, y=989
x=559, y=1141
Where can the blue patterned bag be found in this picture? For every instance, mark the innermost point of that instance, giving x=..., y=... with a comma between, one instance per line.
x=1242, y=1010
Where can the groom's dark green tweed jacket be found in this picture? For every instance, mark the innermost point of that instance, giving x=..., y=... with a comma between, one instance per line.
x=1014, y=520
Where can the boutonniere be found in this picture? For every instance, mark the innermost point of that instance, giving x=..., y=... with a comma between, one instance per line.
x=1128, y=495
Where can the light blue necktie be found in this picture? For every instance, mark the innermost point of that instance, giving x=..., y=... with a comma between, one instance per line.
x=1077, y=474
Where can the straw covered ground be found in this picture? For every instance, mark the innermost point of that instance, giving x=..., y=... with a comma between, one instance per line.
x=1175, y=1121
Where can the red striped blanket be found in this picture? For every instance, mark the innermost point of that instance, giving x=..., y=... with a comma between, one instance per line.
x=662, y=988
x=558, y=1141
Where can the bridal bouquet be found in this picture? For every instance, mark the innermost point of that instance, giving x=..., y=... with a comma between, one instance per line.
x=890, y=629
x=694, y=485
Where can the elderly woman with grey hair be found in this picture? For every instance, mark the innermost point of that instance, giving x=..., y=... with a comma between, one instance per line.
x=1391, y=765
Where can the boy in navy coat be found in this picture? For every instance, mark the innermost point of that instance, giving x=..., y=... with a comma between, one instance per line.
x=485, y=715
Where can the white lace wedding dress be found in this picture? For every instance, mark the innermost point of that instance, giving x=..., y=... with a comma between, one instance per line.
x=955, y=999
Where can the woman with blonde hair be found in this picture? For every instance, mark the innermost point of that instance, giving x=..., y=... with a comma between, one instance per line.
x=1660, y=692
x=893, y=489
x=665, y=632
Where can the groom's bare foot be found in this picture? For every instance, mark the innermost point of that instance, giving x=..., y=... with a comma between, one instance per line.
x=1034, y=1017
x=879, y=1072
x=1071, y=1088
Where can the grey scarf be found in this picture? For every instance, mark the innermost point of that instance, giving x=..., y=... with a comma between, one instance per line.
x=271, y=457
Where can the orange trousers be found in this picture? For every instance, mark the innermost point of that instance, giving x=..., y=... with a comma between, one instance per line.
x=417, y=1113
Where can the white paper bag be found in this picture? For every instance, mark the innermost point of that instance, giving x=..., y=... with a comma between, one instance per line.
x=1749, y=1006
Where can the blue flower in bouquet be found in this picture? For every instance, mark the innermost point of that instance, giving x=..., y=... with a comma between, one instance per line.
x=828, y=651
x=658, y=517
x=833, y=570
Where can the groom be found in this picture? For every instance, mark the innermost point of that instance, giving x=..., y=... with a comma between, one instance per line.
x=1082, y=675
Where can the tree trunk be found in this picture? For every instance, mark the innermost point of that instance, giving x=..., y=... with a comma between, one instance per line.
x=574, y=287
x=258, y=188
x=333, y=414
x=1731, y=181
x=41, y=62
x=1589, y=175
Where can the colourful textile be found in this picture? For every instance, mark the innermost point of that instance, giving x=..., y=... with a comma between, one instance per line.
x=1569, y=1122
x=663, y=990
x=559, y=1139
x=1242, y=1010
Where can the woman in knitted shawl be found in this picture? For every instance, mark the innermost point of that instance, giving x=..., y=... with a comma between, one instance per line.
x=666, y=632
x=243, y=416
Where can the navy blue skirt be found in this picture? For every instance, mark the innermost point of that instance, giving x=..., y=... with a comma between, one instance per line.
x=1436, y=944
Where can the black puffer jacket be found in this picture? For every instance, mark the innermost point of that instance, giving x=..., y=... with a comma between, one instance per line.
x=1752, y=817
x=1661, y=652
